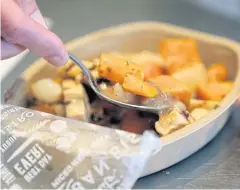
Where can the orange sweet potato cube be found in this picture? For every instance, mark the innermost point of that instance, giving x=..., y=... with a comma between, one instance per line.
x=179, y=53
x=174, y=87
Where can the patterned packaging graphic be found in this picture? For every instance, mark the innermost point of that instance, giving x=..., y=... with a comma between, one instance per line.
x=43, y=151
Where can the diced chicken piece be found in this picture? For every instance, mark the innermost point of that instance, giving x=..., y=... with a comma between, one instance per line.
x=198, y=113
x=217, y=72
x=76, y=109
x=213, y=91
x=59, y=110
x=47, y=91
x=43, y=108
x=206, y=104
x=77, y=92
x=68, y=83
x=174, y=87
x=170, y=122
x=192, y=76
x=179, y=53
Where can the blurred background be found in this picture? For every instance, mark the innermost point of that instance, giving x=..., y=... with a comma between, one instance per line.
x=77, y=17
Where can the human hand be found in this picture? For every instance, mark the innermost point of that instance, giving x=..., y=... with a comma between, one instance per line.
x=22, y=28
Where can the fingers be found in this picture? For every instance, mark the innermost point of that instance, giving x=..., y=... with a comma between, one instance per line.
x=20, y=29
x=30, y=8
x=9, y=50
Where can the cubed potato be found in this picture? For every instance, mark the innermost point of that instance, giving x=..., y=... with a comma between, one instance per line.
x=47, y=91
x=170, y=122
x=206, y=104
x=217, y=72
x=77, y=92
x=43, y=108
x=192, y=76
x=213, y=91
x=174, y=87
x=76, y=109
x=179, y=53
x=68, y=83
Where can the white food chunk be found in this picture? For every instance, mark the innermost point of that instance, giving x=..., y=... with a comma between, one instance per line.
x=47, y=91
x=123, y=96
x=68, y=83
x=76, y=92
x=192, y=76
x=76, y=109
x=170, y=122
x=199, y=113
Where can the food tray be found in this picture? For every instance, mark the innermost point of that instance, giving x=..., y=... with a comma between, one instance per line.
x=135, y=37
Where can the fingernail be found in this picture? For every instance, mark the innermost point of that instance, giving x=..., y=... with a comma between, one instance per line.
x=37, y=16
x=58, y=60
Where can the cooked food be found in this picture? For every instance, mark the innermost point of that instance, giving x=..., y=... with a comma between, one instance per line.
x=47, y=91
x=213, y=91
x=114, y=68
x=137, y=86
x=174, y=87
x=179, y=53
x=177, y=71
x=217, y=72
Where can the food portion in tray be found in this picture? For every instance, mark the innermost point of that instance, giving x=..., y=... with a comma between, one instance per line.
x=177, y=70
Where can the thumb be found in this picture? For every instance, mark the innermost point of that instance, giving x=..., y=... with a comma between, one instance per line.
x=22, y=30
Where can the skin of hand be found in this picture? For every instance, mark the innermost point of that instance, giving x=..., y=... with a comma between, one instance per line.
x=22, y=27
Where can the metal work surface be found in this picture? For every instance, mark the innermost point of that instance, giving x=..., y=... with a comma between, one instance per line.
x=217, y=165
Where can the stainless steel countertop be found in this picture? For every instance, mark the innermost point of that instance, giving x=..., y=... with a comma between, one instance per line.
x=217, y=165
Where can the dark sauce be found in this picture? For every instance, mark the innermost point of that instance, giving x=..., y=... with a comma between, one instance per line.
x=91, y=94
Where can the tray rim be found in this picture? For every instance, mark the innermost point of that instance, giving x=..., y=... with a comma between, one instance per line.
x=174, y=29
